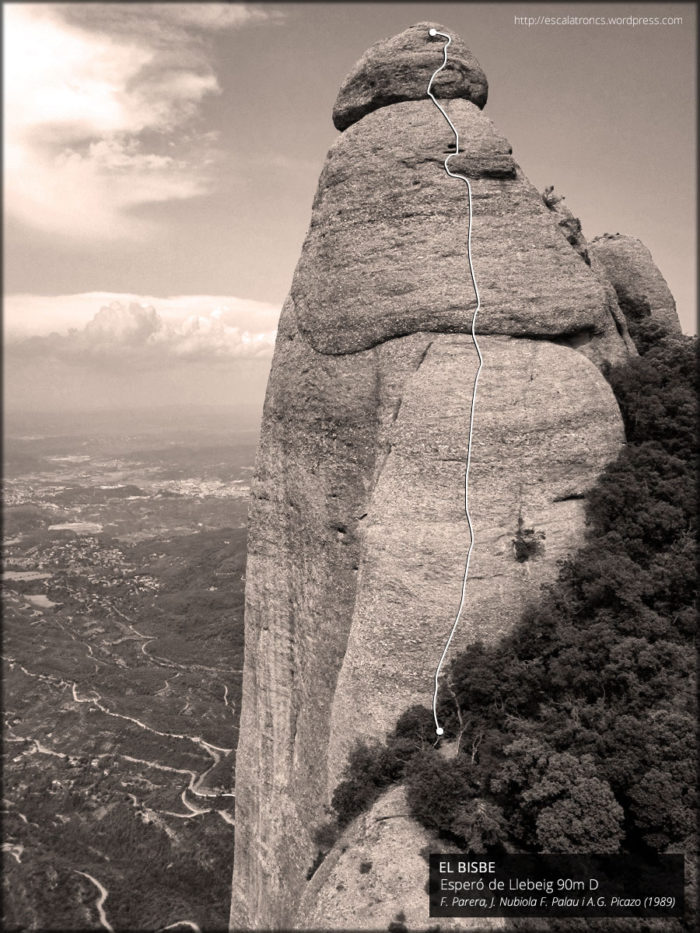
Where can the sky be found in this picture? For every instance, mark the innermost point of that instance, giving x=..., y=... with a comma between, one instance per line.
x=160, y=160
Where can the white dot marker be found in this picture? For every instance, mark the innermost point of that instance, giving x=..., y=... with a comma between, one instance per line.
x=439, y=730
x=432, y=31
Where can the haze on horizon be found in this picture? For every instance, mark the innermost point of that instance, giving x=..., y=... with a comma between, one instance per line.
x=161, y=161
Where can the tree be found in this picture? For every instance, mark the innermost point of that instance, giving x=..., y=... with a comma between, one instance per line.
x=578, y=728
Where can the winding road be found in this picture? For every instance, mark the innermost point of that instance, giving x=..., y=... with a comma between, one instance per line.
x=103, y=895
x=195, y=780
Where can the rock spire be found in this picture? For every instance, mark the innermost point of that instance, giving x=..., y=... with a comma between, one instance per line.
x=357, y=532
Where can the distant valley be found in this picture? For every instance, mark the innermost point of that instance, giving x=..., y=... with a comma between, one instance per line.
x=124, y=559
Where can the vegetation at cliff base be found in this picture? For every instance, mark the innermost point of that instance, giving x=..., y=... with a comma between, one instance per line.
x=577, y=732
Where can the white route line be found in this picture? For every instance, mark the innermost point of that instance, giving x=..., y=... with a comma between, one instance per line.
x=433, y=32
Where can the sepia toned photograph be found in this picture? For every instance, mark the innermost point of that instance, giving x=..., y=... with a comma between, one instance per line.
x=349, y=490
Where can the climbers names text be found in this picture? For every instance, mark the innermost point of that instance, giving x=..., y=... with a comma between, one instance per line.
x=556, y=886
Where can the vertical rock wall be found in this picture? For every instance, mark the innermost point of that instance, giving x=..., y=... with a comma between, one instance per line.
x=357, y=534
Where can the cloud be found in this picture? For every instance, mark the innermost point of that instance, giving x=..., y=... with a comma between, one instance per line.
x=130, y=332
x=167, y=23
x=102, y=105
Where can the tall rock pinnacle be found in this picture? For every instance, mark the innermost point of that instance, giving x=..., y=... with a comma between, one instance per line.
x=357, y=532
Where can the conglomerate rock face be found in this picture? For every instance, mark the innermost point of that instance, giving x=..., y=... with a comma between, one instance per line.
x=400, y=68
x=357, y=532
x=359, y=885
x=544, y=429
x=386, y=252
